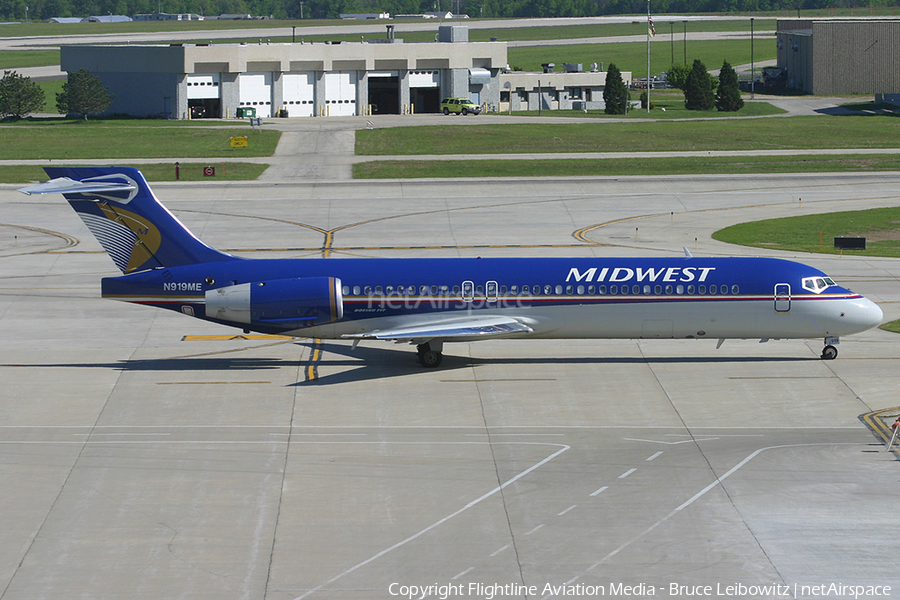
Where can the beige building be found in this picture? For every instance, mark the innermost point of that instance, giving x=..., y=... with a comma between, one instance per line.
x=381, y=76
x=840, y=56
x=291, y=79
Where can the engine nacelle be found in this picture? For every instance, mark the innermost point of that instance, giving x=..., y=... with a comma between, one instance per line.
x=280, y=303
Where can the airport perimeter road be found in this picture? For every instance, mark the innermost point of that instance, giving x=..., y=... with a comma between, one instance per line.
x=147, y=455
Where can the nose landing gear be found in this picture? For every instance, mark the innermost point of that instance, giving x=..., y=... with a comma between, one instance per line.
x=829, y=352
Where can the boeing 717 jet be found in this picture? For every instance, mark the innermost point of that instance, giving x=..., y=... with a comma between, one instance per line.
x=430, y=302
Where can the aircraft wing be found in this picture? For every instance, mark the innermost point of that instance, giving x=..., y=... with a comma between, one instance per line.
x=458, y=330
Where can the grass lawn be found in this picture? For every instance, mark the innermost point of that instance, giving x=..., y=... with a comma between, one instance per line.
x=188, y=171
x=125, y=139
x=799, y=133
x=815, y=233
x=632, y=56
x=408, y=169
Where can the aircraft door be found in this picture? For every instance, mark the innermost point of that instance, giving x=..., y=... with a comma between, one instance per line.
x=782, y=297
x=468, y=291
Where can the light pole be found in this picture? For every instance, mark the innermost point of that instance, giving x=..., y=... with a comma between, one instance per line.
x=751, y=58
x=26, y=14
x=685, y=42
x=672, y=39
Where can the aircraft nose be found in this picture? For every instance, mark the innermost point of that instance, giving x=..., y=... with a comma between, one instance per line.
x=873, y=314
x=861, y=315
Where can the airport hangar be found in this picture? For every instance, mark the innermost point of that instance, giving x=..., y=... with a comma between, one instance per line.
x=840, y=56
x=379, y=76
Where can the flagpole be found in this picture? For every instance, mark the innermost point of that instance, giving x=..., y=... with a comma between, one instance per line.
x=649, y=27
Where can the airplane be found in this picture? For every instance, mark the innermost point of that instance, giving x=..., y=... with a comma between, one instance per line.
x=429, y=302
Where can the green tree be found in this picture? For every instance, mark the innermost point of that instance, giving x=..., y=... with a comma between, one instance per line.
x=728, y=94
x=615, y=94
x=677, y=75
x=83, y=94
x=699, y=88
x=19, y=95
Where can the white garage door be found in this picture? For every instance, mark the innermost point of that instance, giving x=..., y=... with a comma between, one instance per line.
x=203, y=86
x=299, y=94
x=340, y=93
x=256, y=91
x=424, y=79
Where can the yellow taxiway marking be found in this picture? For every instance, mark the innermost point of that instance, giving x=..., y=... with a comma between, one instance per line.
x=876, y=422
x=226, y=338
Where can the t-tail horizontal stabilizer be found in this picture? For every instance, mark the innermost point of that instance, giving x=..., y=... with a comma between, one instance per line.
x=120, y=210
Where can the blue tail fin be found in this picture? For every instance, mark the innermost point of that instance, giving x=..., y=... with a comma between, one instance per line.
x=131, y=224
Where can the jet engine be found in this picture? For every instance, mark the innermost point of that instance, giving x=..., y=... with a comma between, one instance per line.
x=279, y=303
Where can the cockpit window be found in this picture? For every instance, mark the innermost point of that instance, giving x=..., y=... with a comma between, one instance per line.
x=817, y=284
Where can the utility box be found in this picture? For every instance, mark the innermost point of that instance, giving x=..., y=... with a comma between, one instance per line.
x=850, y=243
x=454, y=34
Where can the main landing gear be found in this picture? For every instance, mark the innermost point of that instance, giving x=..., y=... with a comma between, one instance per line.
x=430, y=355
x=829, y=352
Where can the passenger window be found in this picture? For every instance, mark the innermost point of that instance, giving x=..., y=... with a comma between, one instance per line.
x=434, y=290
x=356, y=290
x=735, y=289
x=378, y=290
x=712, y=289
x=613, y=289
x=558, y=289
x=570, y=290
x=514, y=290
x=669, y=289
x=479, y=290
x=456, y=290
x=503, y=290
x=701, y=289
x=679, y=289
x=345, y=290
x=591, y=289
x=580, y=289
x=635, y=289
x=646, y=289
x=657, y=289
x=690, y=290
x=536, y=290
x=368, y=290
x=548, y=289
x=724, y=289
x=602, y=290
x=423, y=290
x=389, y=290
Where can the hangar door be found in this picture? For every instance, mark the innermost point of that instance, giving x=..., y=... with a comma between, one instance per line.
x=425, y=91
x=340, y=93
x=256, y=91
x=299, y=94
x=204, y=96
x=384, y=92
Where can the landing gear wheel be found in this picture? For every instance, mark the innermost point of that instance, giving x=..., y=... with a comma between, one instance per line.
x=829, y=353
x=429, y=358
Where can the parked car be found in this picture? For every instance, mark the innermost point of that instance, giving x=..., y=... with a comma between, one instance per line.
x=459, y=106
